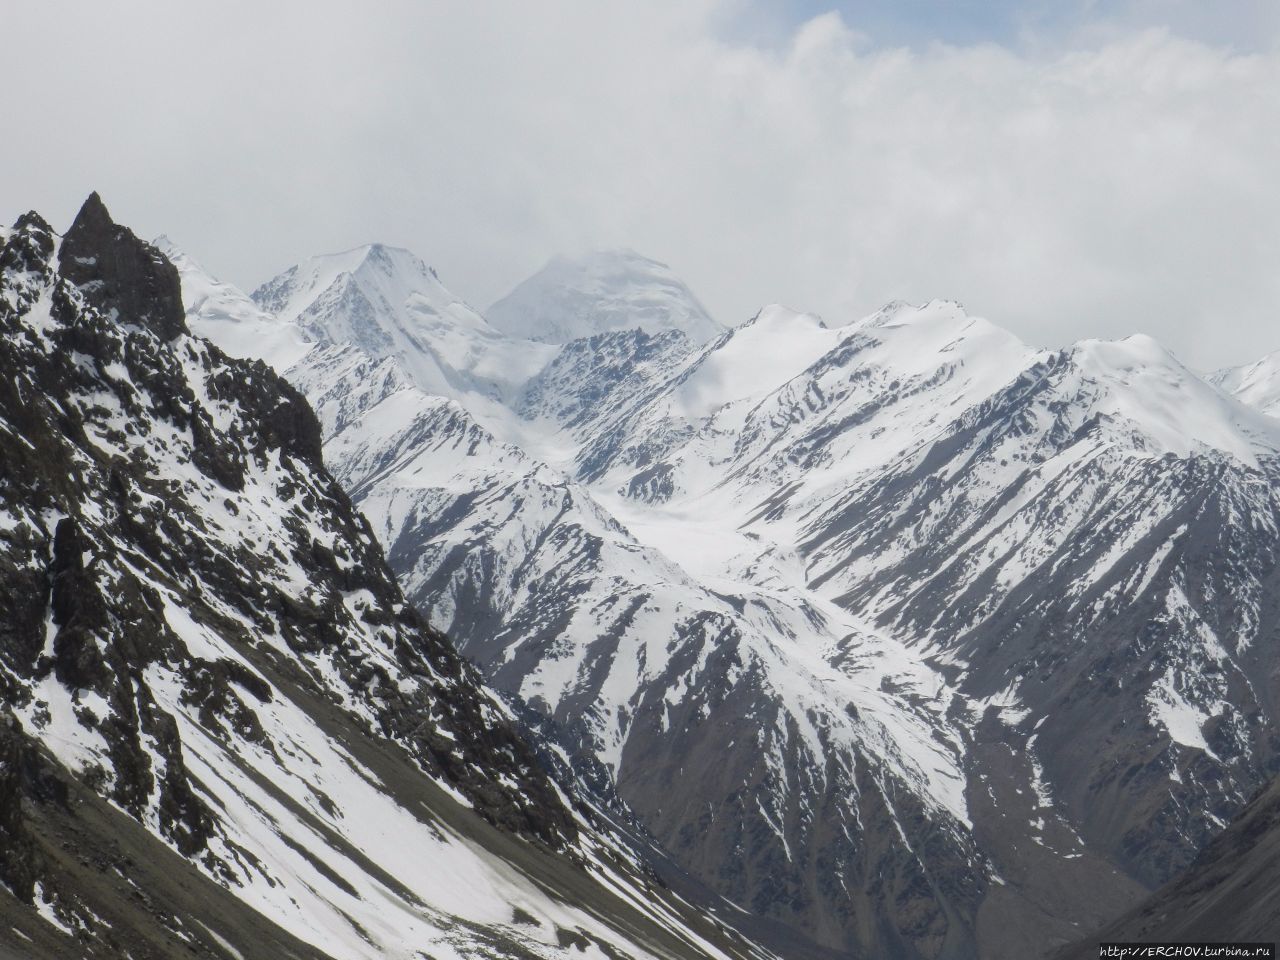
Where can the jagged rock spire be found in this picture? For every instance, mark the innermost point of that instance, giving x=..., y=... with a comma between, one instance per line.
x=116, y=269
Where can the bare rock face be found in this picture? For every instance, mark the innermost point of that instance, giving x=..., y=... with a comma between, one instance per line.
x=20, y=864
x=118, y=271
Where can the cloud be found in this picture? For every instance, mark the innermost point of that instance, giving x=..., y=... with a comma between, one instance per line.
x=1249, y=25
x=1116, y=185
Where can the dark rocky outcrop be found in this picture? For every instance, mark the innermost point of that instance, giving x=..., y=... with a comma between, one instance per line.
x=117, y=271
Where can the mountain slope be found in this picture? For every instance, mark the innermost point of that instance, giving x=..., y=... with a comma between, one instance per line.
x=538, y=584
x=1229, y=894
x=725, y=652
x=207, y=665
x=602, y=292
x=879, y=471
x=1058, y=535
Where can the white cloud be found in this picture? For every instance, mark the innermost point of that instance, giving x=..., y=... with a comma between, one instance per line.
x=1128, y=186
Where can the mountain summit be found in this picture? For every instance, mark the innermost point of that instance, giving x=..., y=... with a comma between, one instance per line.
x=367, y=296
x=603, y=291
x=387, y=303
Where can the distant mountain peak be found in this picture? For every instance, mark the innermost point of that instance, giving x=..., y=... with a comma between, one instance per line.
x=388, y=260
x=903, y=311
x=1135, y=350
x=387, y=302
x=378, y=271
x=359, y=296
x=1256, y=384
x=1167, y=406
x=777, y=319
x=604, y=290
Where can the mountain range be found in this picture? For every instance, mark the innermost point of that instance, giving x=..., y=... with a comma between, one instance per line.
x=910, y=637
x=890, y=638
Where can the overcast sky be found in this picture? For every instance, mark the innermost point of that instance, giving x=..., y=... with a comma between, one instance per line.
x=1067, y=169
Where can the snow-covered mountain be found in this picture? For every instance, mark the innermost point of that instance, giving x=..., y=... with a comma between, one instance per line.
x=1257, y=383
x=389, y=304
x=909, y=637
x=223, y=730
x=601, y=292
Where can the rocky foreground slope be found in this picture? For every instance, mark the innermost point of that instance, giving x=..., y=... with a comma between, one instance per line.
x=223, y=730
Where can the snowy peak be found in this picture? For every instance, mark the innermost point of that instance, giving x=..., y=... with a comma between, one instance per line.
x=1256, y=384
x=1127, y=358
x=754, y=359
x=1169, y=406
x=292, y=291
x=602, y=291
x=913, y=335
x=899, y=312
x=388, y=303
x=914, y=340
x=363, y=295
